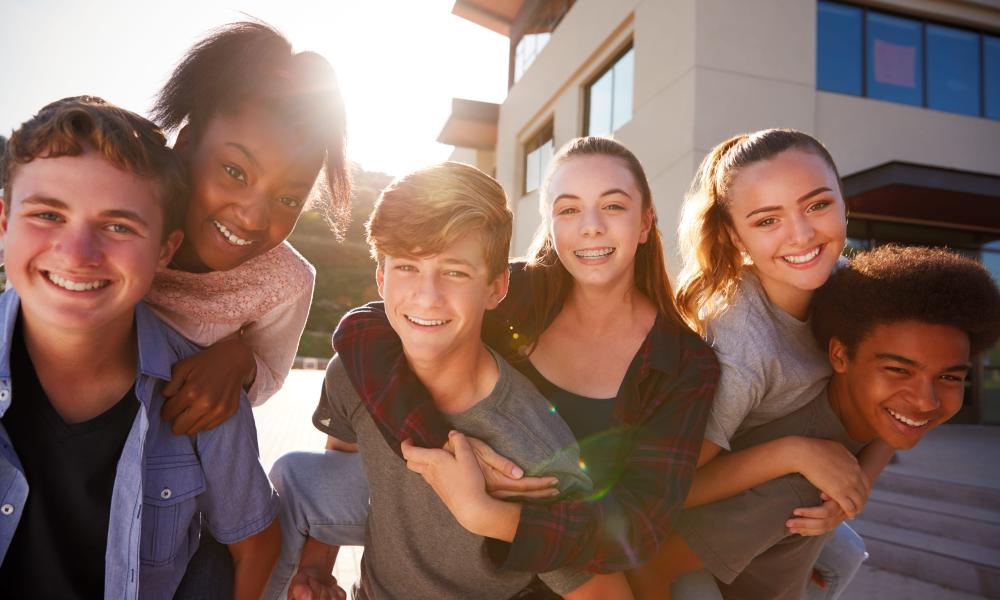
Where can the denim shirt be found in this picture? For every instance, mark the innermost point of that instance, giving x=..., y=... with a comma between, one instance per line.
x=164, y=483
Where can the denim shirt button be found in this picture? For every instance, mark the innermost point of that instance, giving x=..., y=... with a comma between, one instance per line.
x=4, y=394
x=166, y=493
x=7, y=509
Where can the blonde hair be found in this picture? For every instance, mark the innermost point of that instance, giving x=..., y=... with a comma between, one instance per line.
x=650, y=270
x=424, y=212
x=713, y=265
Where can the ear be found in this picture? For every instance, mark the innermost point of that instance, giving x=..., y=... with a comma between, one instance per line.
x=168, y=247
x=647, y=224
x=498, y=289
x=735, y=239
x=380, y=278
x=837, y=353
x=185, y=142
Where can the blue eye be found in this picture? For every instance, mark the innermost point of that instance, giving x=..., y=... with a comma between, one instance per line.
x=119, y=228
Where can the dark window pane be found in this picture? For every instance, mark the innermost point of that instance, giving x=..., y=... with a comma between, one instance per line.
x=838, y=51
x=895, y=54
x=991, y=56
x=599, y=119
x=952, y=70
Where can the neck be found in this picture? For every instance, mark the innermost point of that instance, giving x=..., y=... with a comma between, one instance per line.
x=603, y=308
x=838, y=395
x=459, y=381
x=792, y=300
x=186, y=259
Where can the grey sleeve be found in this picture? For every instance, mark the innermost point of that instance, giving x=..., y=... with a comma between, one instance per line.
x=337, y=404
x=741, y=384
x=564, y=581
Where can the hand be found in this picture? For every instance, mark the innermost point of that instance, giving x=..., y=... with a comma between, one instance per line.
x=204, y=389
x=816, y=520
x=459, y=483
x=314, y=584
x=835, y=471
x=504, y=479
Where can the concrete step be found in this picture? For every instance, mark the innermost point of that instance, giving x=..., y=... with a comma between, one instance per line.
x=937, y=517
x=948, y=562
x=938, y=489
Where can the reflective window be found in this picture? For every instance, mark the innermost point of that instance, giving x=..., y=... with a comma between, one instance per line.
x=527, y=49
x=895, y=56
x=952, y=70
x=537, y=156
x=609, y=97
x=839, y=47
x=991, y=76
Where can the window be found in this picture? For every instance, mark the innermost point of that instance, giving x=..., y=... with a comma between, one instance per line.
x=991, y=76
x=537, y=155
x=839, y=60
x=526, y=50
x=609, y=97
x=952, y=70
x=870, y=53
x=532, y=30
x=895, y=55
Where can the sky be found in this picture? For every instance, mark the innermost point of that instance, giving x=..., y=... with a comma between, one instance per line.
x=399, y=62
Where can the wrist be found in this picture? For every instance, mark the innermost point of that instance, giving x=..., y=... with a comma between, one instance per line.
x=496, y=519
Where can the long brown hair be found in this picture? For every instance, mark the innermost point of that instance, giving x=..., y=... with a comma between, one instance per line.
x=713, y=265
x=554, y=282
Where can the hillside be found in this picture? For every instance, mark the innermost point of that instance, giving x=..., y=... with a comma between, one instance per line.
x=345, y=273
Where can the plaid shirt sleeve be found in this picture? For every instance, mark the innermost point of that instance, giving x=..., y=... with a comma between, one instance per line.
x=626, y=526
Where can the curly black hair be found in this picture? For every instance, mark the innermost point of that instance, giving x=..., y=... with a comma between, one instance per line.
x=907, y=283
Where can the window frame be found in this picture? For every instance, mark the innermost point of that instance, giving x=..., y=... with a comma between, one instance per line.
x=544, y=134
x=615, y=59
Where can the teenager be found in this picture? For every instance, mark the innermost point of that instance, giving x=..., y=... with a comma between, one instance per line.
x=900, y=326
x=262, y=134
x=440, y=237
x=100, y=498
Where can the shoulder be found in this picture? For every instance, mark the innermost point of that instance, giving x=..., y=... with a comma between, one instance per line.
x=746, y=327
x=671, y=347
x=284, y=264
x=337, y=384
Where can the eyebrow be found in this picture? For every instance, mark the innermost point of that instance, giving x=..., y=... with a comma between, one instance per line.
x=965, y=368
x=45, y=201
x=610, y=192
x=804, y=197
x=459, y=261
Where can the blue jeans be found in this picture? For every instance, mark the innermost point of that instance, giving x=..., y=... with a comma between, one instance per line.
x=838, y=562
x=324, y=495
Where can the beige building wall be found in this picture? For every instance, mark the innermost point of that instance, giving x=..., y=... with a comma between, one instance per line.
x=708, y=69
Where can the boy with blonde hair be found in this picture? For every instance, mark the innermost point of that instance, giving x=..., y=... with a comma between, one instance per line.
x=440, y=237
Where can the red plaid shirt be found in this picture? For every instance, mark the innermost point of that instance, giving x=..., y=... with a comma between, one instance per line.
x=661, y=410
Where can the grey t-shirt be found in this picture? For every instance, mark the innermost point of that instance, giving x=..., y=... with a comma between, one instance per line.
x=770, y=364
x=414, y=547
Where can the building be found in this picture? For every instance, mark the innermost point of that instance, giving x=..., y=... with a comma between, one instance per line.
x=904, y=93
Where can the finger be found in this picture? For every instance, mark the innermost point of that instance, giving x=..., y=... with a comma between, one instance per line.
x=808, y=529
x=176, y=405
x=178, y=375
x=490, y=457
x=204, y=423
x=418, y=454
x=183, y=423
x=463, y=449
x=824, y=496
x=500, y=481
x=532, y=495
x=416, y=467
x=816, y=512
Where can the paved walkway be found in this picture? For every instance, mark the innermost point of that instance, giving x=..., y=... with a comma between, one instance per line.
x=962, y=453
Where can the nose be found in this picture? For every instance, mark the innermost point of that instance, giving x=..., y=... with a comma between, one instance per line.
x=253, y=212
x=923, y=395
x=428, y=289
x=591, y=222
x=80, y=247
x=802, y=229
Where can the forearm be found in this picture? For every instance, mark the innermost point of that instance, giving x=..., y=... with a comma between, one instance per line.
x=497, y=520
x=253, y=560
x=729, y=474
x=874, y=457
x=317, y=555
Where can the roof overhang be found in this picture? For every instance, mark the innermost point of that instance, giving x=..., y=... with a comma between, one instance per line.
x=925, y=194
x=495, y=15
x=472, y=124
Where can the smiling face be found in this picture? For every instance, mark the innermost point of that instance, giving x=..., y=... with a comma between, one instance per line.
x=788, y=215
x=905, y=379
x=83, y=240
x=597, y=220
x=250, y=178
x=436, y=303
